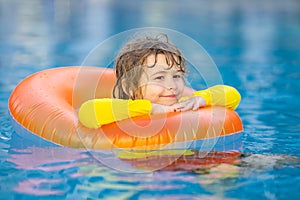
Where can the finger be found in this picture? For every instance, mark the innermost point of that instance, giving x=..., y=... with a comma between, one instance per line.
x=198, y=105
x=202, y=102
x=177, y=107
x=195, y=107
x=187, y=106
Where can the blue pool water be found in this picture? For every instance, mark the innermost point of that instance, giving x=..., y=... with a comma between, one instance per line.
x=255, y=45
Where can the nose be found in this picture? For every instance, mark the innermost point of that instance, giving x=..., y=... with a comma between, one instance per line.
x=170, y=84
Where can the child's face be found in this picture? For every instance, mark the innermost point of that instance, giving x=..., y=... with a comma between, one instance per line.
x=161, y=84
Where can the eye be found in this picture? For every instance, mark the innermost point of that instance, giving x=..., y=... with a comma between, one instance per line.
x=177, y=76
x=159, y=78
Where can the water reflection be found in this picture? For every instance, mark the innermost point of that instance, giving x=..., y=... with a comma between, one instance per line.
x=39, y=187
x=61, y=171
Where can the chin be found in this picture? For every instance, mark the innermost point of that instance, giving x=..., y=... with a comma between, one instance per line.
x=169, y=103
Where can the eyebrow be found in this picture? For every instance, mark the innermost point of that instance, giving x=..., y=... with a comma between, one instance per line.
x=164, y=72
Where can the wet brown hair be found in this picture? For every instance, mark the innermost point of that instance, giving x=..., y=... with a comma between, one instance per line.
x=131, y=60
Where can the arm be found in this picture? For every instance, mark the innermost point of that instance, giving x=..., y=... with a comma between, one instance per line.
x=97, y=112
x=221, y=95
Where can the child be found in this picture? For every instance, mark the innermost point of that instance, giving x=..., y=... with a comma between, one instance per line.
x=150, y=80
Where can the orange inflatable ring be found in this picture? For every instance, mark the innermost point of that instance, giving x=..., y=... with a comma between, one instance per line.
x=44, y=107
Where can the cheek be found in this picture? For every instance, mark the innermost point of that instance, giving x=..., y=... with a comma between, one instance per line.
x=152, y=91
x=180, y=86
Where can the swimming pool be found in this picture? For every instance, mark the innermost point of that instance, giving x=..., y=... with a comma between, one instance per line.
x=256, y=48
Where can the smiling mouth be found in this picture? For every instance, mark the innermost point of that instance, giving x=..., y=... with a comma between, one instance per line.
x=170, y=96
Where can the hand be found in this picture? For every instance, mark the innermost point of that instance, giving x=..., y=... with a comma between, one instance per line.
x=159, y=108
x=193, y=103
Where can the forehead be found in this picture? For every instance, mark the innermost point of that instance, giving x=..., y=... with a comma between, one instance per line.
x=159, y=58
x=160, y=62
